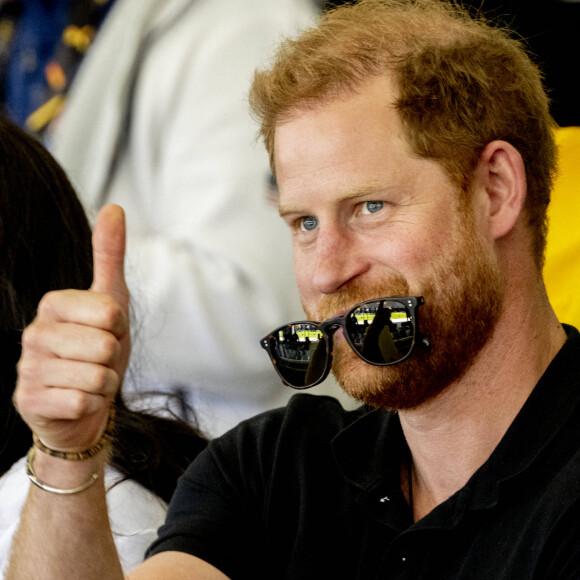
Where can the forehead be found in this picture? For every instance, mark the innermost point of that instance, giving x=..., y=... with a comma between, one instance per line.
x=340, y=144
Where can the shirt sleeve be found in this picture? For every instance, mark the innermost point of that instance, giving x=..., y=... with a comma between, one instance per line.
x=218, y=510
x=135, y=514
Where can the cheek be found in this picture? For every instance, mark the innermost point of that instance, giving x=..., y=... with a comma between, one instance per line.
x=407, y=255
x=303, y=273
x=414, y=259
x=420, y=251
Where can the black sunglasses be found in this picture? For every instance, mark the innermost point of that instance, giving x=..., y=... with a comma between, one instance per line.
x=381, y=332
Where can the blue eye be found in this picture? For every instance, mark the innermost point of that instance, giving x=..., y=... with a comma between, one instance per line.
x=308, y=223
x=372, y=206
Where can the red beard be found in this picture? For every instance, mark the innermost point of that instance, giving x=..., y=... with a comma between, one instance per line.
x=463, y=298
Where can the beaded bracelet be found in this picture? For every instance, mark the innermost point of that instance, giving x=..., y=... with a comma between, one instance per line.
x=104, y=441
x=34, y=479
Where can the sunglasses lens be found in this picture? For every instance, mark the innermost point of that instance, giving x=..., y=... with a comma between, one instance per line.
x=382, y=331
x=300, y=352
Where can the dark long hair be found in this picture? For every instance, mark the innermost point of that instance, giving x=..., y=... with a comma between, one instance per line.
x=45, y=244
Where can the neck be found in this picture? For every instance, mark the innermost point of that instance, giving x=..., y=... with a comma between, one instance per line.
x=452, y=435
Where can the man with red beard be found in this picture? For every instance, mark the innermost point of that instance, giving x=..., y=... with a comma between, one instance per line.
x=414, y=154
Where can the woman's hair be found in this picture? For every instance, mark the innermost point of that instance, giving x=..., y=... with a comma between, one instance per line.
x=461, y=84
x=45, y=244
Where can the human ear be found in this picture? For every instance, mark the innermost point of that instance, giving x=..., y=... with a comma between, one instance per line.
x=501, y=175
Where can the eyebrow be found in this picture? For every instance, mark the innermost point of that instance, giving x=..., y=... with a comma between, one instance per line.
x=363, y=190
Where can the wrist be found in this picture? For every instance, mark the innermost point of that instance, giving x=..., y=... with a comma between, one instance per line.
x=94, y=476
x=64, y=477
x=102, y=445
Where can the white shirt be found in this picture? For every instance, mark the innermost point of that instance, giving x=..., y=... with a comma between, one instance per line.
x=209, y=261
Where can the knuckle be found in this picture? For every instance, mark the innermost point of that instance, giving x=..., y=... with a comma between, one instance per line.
x=27, y=369
x=25, y=402
x=102, y=378
x=111, y=312
x=47, y=303
x=77, y=405
x=109, y=348
x=31, y=336
x=19, y=399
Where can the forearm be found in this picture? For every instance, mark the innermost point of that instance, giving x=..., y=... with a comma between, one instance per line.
x=65, y=536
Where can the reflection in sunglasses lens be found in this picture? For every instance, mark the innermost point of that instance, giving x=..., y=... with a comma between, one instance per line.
x=381, y=331
x=300, y=351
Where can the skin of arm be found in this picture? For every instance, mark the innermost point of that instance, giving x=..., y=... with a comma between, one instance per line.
x=70, y=536
x=176, y=565
x=65, y=536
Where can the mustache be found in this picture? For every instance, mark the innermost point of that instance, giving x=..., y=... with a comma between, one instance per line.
x=353, y=293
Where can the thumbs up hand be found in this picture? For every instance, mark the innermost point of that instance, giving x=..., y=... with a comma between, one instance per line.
x=75, y=353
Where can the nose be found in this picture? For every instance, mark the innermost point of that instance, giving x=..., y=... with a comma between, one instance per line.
x=338, y=260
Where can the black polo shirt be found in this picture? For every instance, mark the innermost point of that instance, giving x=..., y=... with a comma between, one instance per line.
x=313, y=492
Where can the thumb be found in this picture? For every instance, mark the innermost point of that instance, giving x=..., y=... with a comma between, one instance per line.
x=109, y=254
